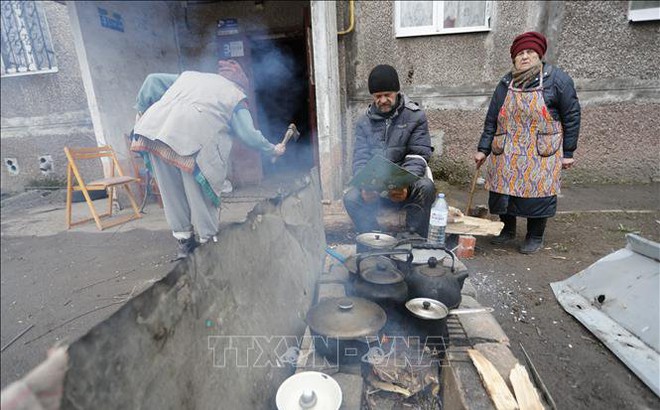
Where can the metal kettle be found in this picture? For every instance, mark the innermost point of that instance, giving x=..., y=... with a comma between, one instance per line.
x=435, y=281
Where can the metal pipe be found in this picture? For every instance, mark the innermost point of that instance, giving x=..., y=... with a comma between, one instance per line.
x=351, y=20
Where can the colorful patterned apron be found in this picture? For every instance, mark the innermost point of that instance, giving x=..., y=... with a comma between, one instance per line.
x=526, y=151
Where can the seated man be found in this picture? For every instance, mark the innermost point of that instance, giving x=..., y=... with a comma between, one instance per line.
x=397, y=129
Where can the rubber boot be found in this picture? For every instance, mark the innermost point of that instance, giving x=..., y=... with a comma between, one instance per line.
x=508, y=233
x=534, y=238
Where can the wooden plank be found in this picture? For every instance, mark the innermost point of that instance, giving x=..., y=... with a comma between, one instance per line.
x=495, y=384
x=474, y=226
x=527, y=396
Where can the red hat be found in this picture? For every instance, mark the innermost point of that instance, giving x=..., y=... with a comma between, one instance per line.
x=529, y=41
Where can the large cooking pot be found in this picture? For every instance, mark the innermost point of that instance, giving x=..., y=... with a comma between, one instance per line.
x=378, y=279
x=343, y=328
x=436, y=281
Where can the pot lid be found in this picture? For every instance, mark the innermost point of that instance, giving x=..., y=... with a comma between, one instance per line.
x=380, y=272
x=421, y=256
x=346, y=318
x=309, y=390
x=433, y=267
x=425, y=308
x=377, y=240
x=366, y=263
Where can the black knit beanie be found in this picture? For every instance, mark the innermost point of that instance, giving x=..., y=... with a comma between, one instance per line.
x=383, y=78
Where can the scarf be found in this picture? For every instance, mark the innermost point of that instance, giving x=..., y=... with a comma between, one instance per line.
x=523, y=78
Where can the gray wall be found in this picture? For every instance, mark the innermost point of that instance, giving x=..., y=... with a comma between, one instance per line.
x=158, y=350
x=114, y=64
x=41, y=113
x=613, y=62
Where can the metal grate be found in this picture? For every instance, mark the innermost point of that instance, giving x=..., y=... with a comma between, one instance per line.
x=27, y=46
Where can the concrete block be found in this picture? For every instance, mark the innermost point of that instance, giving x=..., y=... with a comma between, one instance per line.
x=481, y=326
x=351, y=389
x=331, y=290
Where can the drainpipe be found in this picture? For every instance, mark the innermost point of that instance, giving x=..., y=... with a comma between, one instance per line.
x=351, y=24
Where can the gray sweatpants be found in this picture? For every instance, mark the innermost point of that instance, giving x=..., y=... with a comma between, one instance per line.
x=184, y=202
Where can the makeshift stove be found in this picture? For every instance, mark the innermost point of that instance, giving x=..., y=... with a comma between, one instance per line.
x=386, y=322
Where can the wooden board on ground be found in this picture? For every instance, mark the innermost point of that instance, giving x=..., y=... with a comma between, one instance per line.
x=527, y=396
x=468, y=225
x=495, y=384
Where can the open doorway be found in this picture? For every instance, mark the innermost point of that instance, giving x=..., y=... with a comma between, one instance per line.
x=280, y=70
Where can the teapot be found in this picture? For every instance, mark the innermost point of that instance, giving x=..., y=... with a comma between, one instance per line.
x=433, y=280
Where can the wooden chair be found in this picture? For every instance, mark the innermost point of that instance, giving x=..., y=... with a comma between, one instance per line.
x=108, y=184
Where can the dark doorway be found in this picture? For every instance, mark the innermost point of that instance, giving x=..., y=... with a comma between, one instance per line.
x=281, y=88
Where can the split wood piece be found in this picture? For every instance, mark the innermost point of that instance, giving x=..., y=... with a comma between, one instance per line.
x=527, y=396
x=495, y=384
x=390, y=387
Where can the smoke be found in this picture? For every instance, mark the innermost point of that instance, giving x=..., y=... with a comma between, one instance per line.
x=281, y=90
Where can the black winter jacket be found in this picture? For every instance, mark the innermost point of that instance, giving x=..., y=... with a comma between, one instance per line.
x=404, y=132
x=560, y=98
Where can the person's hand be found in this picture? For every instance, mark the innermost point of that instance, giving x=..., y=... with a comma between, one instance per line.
x=398, y=194
x=566, y=163
x=368, y=196
x=279, y=150
x=479, y=158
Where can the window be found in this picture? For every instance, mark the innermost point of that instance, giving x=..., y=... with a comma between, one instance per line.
x=423, y=18
x=644, y=10
x=26, y=47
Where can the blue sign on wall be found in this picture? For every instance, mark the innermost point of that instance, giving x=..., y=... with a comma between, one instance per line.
x=113, y=22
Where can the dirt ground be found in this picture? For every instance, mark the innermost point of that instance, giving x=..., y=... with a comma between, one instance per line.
x=64, y=282
x=578, y=370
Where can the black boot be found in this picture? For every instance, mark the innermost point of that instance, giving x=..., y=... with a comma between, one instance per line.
x=508, y=233
x=534, y=238
x=185, y=248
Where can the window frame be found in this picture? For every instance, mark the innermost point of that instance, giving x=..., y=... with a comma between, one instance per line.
x=438, y=19
x=649, y=14
x=48, y=42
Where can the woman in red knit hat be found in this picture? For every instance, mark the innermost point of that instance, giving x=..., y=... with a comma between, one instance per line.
x=530, y=134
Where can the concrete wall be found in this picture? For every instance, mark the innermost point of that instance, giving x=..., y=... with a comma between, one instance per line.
x=41, y=113
x=157, y=351
x=613, y=62
x=114, y=64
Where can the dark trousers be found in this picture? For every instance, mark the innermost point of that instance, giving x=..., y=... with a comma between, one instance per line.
x=535, y=226
x=417, y=206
